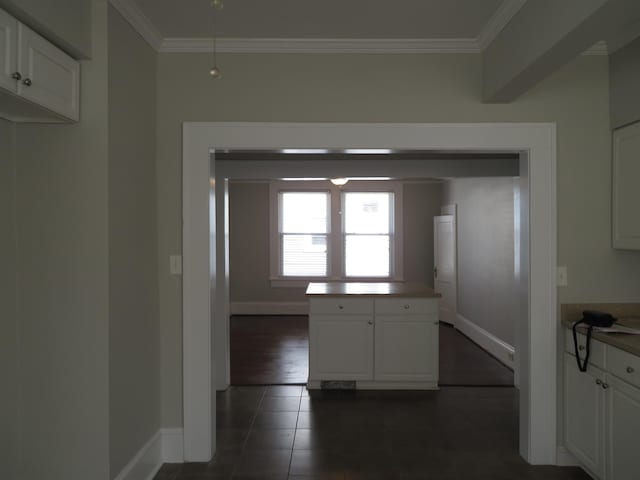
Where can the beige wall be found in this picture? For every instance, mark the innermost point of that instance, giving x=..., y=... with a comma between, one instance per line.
x=62, y=285
x=66, y=23
x=486, y=282
x=395, y=88
x=249, y=240
x=624, y=68
x=134, y=331
x=9, y=359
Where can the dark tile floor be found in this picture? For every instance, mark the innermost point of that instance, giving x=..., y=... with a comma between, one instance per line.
x=286, y=432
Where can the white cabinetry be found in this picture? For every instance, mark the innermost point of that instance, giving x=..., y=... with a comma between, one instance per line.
x=39, y=82
x=385, y=343
x=626, y=194
x=602, y=413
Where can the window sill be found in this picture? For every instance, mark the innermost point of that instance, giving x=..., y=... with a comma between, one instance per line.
x=303, y=282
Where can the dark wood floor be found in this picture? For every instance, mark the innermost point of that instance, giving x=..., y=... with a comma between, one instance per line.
x=273, y=350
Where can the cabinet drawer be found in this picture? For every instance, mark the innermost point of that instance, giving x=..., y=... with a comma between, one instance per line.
x=596, y=357
x=624, y=365
x=329, y=306
x=406, y=306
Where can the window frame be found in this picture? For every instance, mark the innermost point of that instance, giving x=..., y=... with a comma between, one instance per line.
x=336, y=235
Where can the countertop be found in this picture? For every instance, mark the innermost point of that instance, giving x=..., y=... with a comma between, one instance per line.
x=371, y=289
x=628, y=315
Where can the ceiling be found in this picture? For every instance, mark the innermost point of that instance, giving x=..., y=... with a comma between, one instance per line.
x=327, y=19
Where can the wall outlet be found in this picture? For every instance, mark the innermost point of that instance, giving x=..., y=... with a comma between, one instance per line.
x=561, y=279
x=175, y=264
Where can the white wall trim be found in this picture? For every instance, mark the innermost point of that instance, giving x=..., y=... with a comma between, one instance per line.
x=172, y=445
x=269, y=308
x=503, y=15
x=165, y=446
x=492, y=344
x=146, y=463
x=566, y=458
x=600, y=48
x=537, y=327
x=321, y=45
x=139, y=21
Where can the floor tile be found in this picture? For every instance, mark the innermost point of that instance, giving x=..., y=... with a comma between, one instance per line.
x=280, y=404
x=268, y=462
x=270, y=439
x=284, y=391
x=276, y=420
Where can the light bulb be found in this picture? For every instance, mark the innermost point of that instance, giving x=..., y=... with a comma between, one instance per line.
x=215, y=72
x=217, y=4
x=339, y=181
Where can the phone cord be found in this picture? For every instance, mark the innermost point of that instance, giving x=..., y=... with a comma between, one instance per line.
x=582, y=365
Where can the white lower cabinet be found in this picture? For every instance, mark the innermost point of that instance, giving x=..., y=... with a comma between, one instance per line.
x=381, y=343
x=602, y=414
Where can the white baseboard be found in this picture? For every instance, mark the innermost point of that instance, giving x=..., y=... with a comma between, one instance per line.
x=166, y=445
x=492, y=344
x=564, y=458
x=172, y=445
x=269, y=308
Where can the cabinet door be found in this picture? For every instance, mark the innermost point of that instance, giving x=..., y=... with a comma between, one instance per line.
x=623, y=429
x=584, y=413
x=340, y=347
x=49, y=76
x=406, y=348
x=626, y=195
x=8, y=37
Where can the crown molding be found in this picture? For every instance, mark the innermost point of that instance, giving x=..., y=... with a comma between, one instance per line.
x=139, y=21
x=599, y=48
x=502, y=16
x=320, y=45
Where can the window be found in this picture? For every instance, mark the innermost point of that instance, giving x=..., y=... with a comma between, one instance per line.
x=323, y=232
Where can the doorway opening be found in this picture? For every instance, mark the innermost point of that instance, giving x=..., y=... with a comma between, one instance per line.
x=204, y=284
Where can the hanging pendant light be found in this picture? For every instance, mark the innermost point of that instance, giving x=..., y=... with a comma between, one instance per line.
x=215, y=71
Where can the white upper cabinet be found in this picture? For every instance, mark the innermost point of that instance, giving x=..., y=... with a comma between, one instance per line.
x=626, y=194
x=39, y=82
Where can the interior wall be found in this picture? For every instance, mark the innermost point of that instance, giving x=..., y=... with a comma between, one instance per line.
x=395, y=88
x=249, y=240
x=486, y=282
x=67, y=24
x=62, y=284
x=624, y=68
x=9, y=356
x=134, y=330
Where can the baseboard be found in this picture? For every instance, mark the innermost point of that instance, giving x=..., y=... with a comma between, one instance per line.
x=269, y=308
x=172, y=445
x=166, y=446
x=564, y=458
x=146, y=463
x=492, y=344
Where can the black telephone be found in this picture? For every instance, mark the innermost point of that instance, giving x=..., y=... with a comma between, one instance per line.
x=592, y=318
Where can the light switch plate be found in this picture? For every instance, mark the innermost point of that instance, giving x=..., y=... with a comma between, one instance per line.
x=562, y=276
x=175, y=264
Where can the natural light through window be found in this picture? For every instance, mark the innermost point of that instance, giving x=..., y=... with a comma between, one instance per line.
x=304, y=226
x=367, y=228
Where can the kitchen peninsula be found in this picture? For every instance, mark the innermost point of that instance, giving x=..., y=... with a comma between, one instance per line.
x=381, y=335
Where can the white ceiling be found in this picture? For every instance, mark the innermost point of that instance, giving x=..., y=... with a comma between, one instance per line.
x=326, y=19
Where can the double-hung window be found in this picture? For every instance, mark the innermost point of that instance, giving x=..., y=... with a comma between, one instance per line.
x=323, y=232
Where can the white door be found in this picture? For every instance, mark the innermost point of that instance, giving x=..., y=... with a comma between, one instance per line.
x=444, y=261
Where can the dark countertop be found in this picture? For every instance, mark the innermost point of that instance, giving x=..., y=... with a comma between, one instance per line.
x=371, y=289
x=628, y=315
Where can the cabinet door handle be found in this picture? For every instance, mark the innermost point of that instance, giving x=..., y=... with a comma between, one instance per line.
x=16, y=76
x=605, y=385
x=370, y=322
x=407, y=307
x=630, y=370
x=581, y=347
x=27, y=82
x=340, y=307
x=598, y=381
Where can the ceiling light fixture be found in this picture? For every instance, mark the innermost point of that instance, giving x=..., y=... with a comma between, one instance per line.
x=368, y=151
x=339, y=181
x=215, y=72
